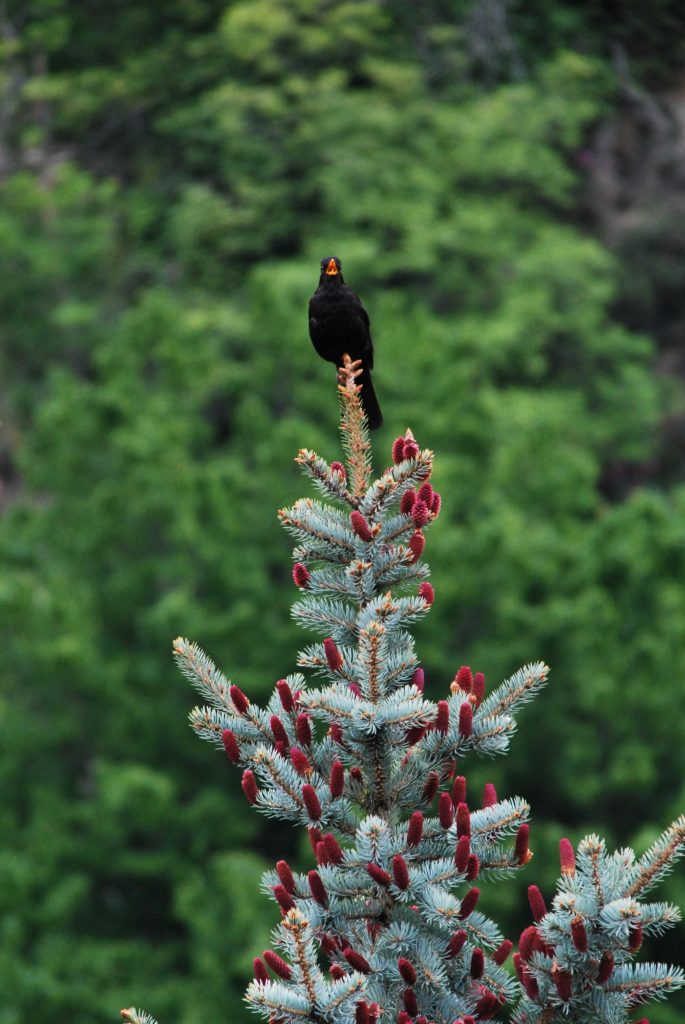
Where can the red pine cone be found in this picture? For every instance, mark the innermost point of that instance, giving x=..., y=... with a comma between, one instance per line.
x=403, y=1017
x=360, y=526
x=240, y=701
x=445, y=810
x=468, y=904
x=478, y=688
x=336, y=732
x=463, y=820
x=562, y=982
x=579, y=934
x=462, y=853
x=487, y=1006
x=337, y=467
x=426, y=493
x=378, y=874
x=537, y=903
x=283, y=897
x=356, y=960
x=503, y=951
x=410, y=1003
x=415, y=829
x=477, y=968
x=407, y=970
x=337, y=972
x=417, y=543
x=418, y=679
x=249, y=785
x=458, y=790
x=321, y=854
x=527, y=941
x=278, y=730
x=300, y=761
x=301, y=575
x=285, y=875
x=260, y=971
x=529, y=983
x=442, y=719
x=567, y=857
x=410, y=449
x=318, y=889
x=400, y=871
x=336, y=779
x=518, y=966
x=333, y=655
x=361, y=1012
x=398, y=450
x=407, y=501
x=420, y=513
x=634, y=938
x=231, y=746
x=489, y=795
x=464, y=679
x=277, y=964
x=333, y=848
x=285, y=693
x=465, y=720
x=303, y=730
x=521, y=851
x=311, y=802
x=472, y=868
x=427, y=592
x=606, y=967
x=436, y=504
x=456, y=943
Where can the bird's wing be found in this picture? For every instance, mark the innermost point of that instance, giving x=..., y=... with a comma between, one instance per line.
x=317, y=340
x=313, y=322
x=364, y=325
x=367, y=324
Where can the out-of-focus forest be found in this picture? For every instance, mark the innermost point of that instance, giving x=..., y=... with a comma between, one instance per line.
x=504, y=182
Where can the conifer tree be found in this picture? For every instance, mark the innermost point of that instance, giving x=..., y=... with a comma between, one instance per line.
x=387, y=925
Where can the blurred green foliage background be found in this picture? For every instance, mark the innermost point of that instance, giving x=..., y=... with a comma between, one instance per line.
x=170, y=176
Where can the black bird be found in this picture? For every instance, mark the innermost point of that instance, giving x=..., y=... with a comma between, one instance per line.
x=338, y=323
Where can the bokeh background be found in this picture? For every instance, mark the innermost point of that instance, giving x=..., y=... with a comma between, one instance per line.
x=504, y=181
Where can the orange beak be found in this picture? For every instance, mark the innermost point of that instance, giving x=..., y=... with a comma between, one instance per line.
x=332, y=268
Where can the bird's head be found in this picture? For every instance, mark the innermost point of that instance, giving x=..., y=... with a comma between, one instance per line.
x=331, y=272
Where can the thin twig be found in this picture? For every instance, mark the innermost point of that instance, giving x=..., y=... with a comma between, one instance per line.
x=354, y=427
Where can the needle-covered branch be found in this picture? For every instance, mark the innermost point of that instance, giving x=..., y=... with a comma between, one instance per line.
x=577, y=959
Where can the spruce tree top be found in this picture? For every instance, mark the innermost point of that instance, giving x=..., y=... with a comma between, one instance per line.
x=386, y=926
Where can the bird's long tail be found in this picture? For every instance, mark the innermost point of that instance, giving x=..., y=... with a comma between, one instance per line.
x=369, y=400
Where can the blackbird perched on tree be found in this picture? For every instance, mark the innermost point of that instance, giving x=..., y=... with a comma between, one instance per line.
x=338, y=323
